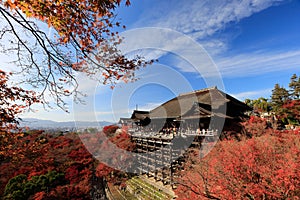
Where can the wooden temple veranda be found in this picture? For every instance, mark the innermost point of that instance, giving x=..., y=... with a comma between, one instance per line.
x=163, y=135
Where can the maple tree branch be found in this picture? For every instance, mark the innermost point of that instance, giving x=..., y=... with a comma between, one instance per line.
x=82, y=43
x=20, y=40
x=50, y=55
x=48, y=80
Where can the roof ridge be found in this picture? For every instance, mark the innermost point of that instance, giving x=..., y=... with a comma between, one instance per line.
x=196, y=91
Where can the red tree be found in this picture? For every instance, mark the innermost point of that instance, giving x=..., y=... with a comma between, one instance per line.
x=13, y=100
x=265, y=167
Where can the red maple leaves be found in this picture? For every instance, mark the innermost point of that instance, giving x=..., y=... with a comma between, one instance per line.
x=35, y=153
x=265, y=167
x=13, y=101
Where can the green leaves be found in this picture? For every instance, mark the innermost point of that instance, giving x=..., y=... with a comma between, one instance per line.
x=295, y=86
x=19, y=187
x=285, y=103
x=279, y=96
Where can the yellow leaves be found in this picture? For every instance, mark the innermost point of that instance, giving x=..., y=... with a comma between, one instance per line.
x=59, y=1
x=28, y=13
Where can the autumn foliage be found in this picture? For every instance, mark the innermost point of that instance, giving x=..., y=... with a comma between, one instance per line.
x=82, y=38
x=33, y=155
x=265, y=167
x=13, y=101
x=83, y=20
x=292, y=111
x=37, y=165
x=110, y=130
x=113, y=147
x=256, y=126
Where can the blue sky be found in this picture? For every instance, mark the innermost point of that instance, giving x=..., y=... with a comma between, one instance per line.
x=253, y=44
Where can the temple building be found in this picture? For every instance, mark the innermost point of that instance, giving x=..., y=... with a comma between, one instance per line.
x=206, y=109
x=195, y=119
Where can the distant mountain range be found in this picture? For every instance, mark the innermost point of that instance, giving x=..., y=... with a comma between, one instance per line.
x=49, y=124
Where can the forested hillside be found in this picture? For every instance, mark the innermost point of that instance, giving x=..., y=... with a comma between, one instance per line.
x=37, y=165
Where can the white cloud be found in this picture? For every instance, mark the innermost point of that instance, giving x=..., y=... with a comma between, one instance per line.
x=200, y=19
x=176, y=43
x=253, y=94
x=214, y=46
x=149, y=106
x=260, y=62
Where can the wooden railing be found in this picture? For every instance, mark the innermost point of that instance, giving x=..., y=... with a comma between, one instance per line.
x=203, y=132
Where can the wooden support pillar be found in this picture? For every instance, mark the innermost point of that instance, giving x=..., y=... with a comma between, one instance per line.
x=147, y=158
x=155, y=161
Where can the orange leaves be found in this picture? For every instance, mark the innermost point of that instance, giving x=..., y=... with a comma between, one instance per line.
x=82, y=29
x=9, y=4
x=67, y=16
x=106, y=76
x=66, y=40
